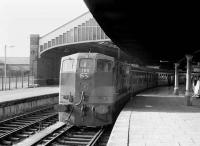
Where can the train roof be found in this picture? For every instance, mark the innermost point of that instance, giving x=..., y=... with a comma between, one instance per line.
x=88, y=55
x=146, y=69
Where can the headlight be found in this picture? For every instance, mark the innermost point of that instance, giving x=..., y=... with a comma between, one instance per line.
x=101, y=109
x=68, y=97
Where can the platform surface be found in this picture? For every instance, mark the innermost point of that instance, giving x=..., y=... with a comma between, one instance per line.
x=157, y=118
x=11, y=95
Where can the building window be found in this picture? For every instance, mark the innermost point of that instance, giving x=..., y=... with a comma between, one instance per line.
x=104, y=65
x=60, y=39
x=45, y=46
x=49, y=44
x=41, y=48
x=53, y=42
x=57, y=39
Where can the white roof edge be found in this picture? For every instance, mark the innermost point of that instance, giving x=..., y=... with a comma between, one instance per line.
x=93, y=54
x=65, y=24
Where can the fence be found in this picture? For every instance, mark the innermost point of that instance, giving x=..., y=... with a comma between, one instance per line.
x=14, y=82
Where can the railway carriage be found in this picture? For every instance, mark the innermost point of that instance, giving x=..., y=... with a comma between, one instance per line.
x=94, y=87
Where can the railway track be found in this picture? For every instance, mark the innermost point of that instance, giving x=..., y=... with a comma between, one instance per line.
x=103, y=140
x=18, y=128
x=75, y=136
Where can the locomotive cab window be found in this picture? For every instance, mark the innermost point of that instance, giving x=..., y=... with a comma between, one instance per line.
x=104, y=65
x=68, y=65
x=86, y=63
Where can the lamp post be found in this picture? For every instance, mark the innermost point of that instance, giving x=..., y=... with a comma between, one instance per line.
x=5, y=73
x=118, y=52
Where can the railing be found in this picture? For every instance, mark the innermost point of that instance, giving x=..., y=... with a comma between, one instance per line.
x=15, y=82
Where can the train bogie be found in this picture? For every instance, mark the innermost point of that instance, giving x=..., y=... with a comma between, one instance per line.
x=93, y=115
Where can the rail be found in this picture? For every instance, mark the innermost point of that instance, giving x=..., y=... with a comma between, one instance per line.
x=72, y=135
x=15, y=129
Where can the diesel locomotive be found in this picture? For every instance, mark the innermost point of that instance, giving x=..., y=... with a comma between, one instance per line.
x=94, y=87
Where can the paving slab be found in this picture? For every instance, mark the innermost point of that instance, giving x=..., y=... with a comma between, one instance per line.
x=157, y=118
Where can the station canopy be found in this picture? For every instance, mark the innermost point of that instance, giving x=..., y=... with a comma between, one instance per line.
x=155, y=32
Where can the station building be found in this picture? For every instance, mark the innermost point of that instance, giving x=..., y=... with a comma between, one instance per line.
x=15, y=65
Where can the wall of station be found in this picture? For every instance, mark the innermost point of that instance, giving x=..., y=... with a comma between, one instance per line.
x=17, y=107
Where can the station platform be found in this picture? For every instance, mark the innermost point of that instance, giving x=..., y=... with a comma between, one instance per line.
x=156, y=117
x=20, y=101
x=18, y=94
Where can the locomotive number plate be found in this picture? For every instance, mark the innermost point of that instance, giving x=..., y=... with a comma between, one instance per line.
x=84, y=75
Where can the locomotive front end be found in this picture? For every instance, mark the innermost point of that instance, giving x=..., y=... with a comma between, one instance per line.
x=84, y=91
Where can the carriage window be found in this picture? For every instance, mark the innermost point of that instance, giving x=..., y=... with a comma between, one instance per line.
x=104, y=65
x=68, y=65
x=85, y=63
x=127, y=69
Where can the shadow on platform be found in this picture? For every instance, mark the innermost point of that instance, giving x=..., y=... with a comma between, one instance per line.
x=162, y=100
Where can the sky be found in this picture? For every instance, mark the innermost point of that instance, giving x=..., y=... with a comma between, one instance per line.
x=20, y=18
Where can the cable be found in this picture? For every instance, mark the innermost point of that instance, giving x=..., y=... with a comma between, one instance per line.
x=81, y=100
x=69, y=116
x=76, y=104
